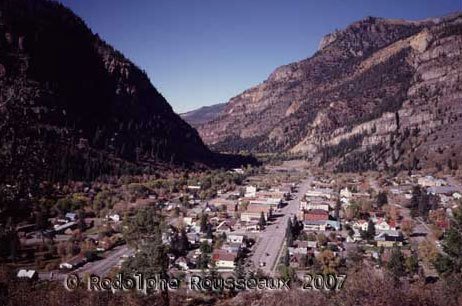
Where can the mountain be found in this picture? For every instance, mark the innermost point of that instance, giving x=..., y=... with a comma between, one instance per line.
x=203, y=115
x=73, y=107
x=379, y=94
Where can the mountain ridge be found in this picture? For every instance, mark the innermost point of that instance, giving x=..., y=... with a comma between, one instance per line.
x=203, y=114
x=364, y=73
x=73, y=107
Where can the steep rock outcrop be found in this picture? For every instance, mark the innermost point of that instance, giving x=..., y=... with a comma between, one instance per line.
x=370, y=87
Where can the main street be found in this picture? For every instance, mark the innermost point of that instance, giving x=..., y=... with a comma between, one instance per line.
x=271, y=240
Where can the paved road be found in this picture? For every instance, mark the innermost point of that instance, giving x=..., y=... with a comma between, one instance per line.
x=103, y=266
x=100, y=267
x=272, y=239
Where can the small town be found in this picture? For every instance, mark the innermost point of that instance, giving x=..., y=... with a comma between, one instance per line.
x=269, y=221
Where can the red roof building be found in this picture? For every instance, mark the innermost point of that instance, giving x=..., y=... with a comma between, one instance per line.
x=316, y=215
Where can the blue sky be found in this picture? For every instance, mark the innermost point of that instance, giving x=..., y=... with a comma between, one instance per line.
x=202, y=52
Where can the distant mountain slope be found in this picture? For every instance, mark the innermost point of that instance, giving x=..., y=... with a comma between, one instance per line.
x=372, y=96
x=203, y=115
x=72, y=107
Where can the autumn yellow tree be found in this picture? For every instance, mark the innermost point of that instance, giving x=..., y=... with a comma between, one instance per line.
x=428, y=251
x=329, y=261
x=407, y=226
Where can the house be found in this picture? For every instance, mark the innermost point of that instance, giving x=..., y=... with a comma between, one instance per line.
x=225, y=226
x=73, y=263
x=314, y=225
x=167, y=238
x=285, y=189
x=296, y=260
x=209, y=208
x=430, y=181
x=60, y=228
x=254, y=211
x=231, y=205
x=232, y=247
x=356, y=237
x=252, y=226
x=300, y=243
x=382, y=225
x=250, y=191
x=193, y=238
x=104, y=245
x=316, y=215
x=326, y=193
x=194, y=187
x=113, y=217
x=360, y=225
x=188, y=220
x=27, y=274
x=312, y=244
x=238, y=170
x=224, y=259
x=208, y=240
x=333, y=224
x=346, y=193
x=254, y=207
x=298, y=250
x=236, y=239
x=389, y=238
x=304, y=205
x=345, y=201
x=183, y=263
x=274, y=202
x=249, y=217
x=446, y=190
x=71, y=217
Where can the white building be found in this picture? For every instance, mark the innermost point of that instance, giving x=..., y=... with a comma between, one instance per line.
x=304, y=205
x=224, y=259
x=345, y=192
x=30, y=274
x=113, y=217
x=326, y=193
x=430, y=181
x=250, y=191
x=235, y=238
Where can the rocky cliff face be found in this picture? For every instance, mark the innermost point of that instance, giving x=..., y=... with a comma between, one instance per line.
x=379, y=93
x=72, y=107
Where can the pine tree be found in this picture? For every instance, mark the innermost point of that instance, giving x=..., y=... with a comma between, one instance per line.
x=451, y=262
x=338, y=205
x=289, y=230
x=262, y=221
x=239, y=270
x=396, y=264
x=382, y=199
x=286, y=258
x=183, y=242
x=370, y=233
x=204, y=222
x=151, y=260
x=296, y=228
x=209, y=231
x=82, y=224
